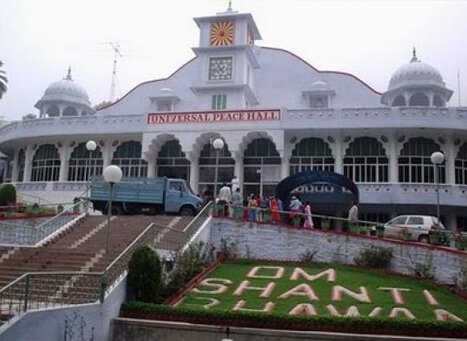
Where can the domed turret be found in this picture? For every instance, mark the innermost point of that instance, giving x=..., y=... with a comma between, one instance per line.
x=64, y=98
x=416, y=84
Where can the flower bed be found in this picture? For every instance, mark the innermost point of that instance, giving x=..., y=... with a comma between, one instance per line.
x=318, y=297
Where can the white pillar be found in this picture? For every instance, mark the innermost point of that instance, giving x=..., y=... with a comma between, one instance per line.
x=194, y=173
x=63, y=175
x=450, y=153
x=451, y=221
x=29, y=155
x=107, y=152
x=14, y=171
x=393, y=154
x=338, y=155
x=238, y=170
x=151, y=168
x=285, y=169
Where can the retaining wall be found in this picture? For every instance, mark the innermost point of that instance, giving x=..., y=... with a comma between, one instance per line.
x=264, y=241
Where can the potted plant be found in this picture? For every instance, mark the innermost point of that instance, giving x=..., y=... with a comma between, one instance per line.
x=326, y=223
x=435, y=237
x=35, y=209
x=460, y=242
x=406, y=235
x=379, y=231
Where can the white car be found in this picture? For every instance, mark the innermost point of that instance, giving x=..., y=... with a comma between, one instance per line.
x=418, y=225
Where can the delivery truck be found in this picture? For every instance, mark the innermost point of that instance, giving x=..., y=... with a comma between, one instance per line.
x=137, y=195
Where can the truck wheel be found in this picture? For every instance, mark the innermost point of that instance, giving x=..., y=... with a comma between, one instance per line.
x=187, y=211
x=116, y=210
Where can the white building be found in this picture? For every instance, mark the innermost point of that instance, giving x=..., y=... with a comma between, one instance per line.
x=277, y=115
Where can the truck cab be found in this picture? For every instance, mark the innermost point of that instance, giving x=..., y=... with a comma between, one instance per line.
x=180, y=198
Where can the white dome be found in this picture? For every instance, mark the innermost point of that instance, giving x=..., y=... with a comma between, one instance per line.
x=416, y=73
x=66, y=90
x=319, y=85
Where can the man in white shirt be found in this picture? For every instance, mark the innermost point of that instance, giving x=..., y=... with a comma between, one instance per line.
x=224, y=198
x=234, y=184
x=353, y=218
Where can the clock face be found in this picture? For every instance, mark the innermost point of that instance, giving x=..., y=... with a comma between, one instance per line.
x=220, y=68
x=222, y=33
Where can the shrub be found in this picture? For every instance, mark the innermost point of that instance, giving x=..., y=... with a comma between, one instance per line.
x=7, y=195
x=423, y=270
x=374, y=258
x=307, y=256
x=185, y=266
x=144, y=275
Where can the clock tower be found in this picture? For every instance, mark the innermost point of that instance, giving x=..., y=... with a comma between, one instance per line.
x=226, y=60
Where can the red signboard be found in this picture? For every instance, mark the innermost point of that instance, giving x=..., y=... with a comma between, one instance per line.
x=214, y=116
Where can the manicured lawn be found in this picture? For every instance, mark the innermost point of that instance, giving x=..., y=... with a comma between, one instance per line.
x=318, y=292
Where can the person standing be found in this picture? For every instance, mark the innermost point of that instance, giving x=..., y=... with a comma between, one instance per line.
x=353, y=217
x=308, y=224
x=280, y=206
x=252, y=207
x=275, y=214
x=237, y=204
x=224, y=199
x=294, y=207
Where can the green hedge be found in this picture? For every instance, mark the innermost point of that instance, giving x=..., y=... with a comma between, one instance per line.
x=296, y=322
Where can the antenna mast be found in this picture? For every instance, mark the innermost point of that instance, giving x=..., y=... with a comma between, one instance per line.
x=459, y=86
x=116, y=47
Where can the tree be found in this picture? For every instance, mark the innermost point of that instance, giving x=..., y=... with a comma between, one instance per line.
x=7, y=195
x=3, y=80
x=144, y=275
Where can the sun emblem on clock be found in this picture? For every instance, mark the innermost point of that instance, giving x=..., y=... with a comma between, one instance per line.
x=222, y=33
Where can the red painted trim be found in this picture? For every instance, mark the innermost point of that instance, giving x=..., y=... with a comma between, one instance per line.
x=324, y=71
x=266, y=48
x=191, y=284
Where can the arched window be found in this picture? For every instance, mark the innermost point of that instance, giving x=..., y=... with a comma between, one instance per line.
x=84, y=164
x=172, y=162
x=365, y=161
x=207, y=166
x=70, y=111
x=399, y=101
x=437, y=101
x=261, y=167
x=415, y=162
x=311, y=154
x=128, y=158
x=21, y=165
x=419, y=100
x=461, y=165
x=53, y=111
x=46, y=164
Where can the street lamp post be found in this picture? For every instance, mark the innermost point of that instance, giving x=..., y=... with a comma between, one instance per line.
x=437, y=158
x=112, y=174
x=218, y=144
x=90, y=146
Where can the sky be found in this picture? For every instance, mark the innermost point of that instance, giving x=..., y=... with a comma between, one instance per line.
x=39, y=40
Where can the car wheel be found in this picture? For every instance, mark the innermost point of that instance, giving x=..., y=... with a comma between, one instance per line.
x=423, y=238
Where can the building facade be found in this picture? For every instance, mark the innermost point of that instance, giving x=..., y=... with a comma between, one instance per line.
x=276, y=114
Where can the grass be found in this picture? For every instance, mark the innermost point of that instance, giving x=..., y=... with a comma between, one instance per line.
x=350, y=278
